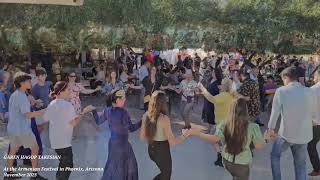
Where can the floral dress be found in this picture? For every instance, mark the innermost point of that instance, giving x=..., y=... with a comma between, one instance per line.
x=75, y=98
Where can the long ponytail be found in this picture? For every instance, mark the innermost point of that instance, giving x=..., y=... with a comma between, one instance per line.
x=157, y=106
x=236, y=129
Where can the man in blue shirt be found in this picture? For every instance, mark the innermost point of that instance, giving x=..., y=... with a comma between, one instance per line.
x=19, y=125
x=41, y=90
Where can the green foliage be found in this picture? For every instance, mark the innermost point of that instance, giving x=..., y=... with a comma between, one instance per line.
x=212, y=24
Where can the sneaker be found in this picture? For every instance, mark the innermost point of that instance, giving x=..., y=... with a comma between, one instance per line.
x=314, y=173
x=219, y=161
x=38, y=177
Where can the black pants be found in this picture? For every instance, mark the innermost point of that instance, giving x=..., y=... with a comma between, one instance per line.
x=238, y=171
x=159, y=152
x=312, y=149
x=66, y=160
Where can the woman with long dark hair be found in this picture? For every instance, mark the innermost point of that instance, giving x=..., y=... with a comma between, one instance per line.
x=208, y=108
x=112, y=84
x=121, y=163
x=156, y=129
x=151, y=83
x=237, y=133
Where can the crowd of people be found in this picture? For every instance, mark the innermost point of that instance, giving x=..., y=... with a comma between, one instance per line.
x=236, y=88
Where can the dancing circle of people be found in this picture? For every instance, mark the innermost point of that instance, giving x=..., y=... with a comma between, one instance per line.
x=232, y=106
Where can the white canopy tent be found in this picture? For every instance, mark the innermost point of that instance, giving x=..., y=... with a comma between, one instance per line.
x=52, y=2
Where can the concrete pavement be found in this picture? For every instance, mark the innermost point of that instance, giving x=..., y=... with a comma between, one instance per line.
x=192, y=160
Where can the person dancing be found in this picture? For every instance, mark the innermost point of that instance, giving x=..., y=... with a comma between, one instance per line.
x=188, y=89
x=238, y=133
x=222, y=102
x=208, y=113
x=312, y=145
x=76, y=89
x=19, y=125
x=156, y=129
x=62, y=119
x=150, y=83
x=121, y=163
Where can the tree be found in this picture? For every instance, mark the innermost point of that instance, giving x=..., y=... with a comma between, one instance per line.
x=253, y=24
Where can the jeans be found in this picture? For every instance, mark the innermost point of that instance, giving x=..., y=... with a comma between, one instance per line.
x=185, y=112
x=299, y=152
x=312, y=149
x=66, y=160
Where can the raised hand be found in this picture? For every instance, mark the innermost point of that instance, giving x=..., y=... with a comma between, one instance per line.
x=201, y=88
x=200, y=85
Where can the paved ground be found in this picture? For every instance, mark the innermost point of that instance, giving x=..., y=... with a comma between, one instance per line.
x=192, y=160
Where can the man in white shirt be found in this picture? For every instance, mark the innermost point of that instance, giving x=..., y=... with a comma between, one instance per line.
x=312, y=145
x=296, y=105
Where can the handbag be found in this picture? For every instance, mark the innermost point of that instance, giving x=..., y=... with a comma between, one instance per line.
x=189, y=99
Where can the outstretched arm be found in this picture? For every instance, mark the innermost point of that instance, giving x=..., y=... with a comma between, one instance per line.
x=133, y=127
x=173, y=140
x=209, y=137
x=75, y=121
x=83, y=90
x=143, y=129
x=206, y=94
x=99, y=117
x=86, y=110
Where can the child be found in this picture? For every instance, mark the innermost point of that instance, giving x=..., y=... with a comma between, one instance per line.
x=41, y=90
